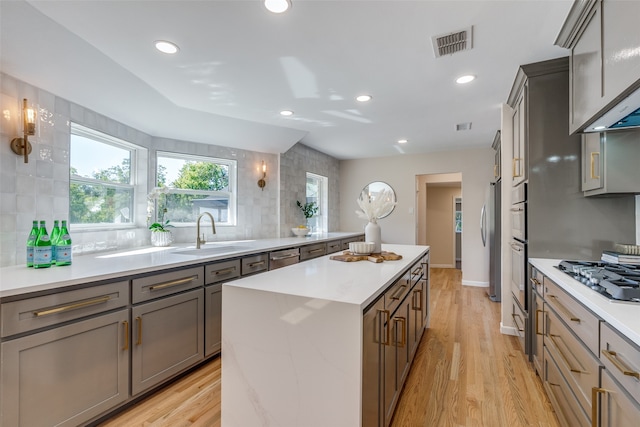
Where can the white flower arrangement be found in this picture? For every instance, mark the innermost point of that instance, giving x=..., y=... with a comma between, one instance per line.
x=152, y=197
x=371, y=208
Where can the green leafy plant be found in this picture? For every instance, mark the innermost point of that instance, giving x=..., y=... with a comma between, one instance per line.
x=308, y=209
x=158, y=194
x=160, y=226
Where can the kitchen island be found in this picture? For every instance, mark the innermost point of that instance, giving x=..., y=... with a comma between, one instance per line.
x=293, y=339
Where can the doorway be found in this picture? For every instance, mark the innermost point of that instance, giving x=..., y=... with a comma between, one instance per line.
x=436, y=196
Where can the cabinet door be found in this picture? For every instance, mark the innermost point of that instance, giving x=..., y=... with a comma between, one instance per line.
x=519, y=166
x=213, y=319
x=564, y=403
x=67, y=375
x=539, y=328
x=375, y=338
x=418, y=316
x=618, y=408
x=168, y=337
x=592, y=162
x=515, y=146
x=585, y=69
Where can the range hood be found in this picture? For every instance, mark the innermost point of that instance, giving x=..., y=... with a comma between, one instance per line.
x=625, y=114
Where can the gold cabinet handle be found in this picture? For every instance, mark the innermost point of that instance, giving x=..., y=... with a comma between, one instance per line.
x=313, y=251
x=173, y=283
x=515, y=161
x=538, y=322
x=613, y=357
x=73, y=306
x=255, y=264
x=495, y=171
x=126, y=335
x=399, y=292
x=139, y=322
x=419, y=306
x=593, y=164
x=225, y=271
x=571, y=368
x=565, y=310
x=594, y=404
x=403, y=341
x=387, y=313
x=535, y=281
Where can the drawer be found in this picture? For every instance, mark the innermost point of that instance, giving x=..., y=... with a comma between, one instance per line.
x=254, y=264
x=345, y=242
x=579, y=367
x=519, y=322
x=618, y=408
x=334, y=246
x=567, y=408
x=621, y=358
x=220, y=271
x=312, y=251
x=581, y=321
x=160, y=285
x=417, y=272
x=47, y=310
x=537, y=281
x=395, y=294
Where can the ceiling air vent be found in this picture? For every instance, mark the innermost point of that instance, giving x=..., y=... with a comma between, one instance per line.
x=448, y=44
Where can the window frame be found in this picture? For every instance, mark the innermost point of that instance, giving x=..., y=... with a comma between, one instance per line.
x=232, y=194
x=323, y=201
x=104, y=138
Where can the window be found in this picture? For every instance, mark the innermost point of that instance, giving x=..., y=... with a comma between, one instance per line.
x=197, y=185
x=101, y=190
x=317, y=191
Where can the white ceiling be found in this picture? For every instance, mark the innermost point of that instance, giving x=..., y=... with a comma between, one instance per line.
x=239, y=65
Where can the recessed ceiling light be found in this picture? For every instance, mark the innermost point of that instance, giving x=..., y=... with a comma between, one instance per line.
x=286, y=113
x=465, y=79
x=166, y=47
x=363, y=98
x=277, y=6
x=402, y=141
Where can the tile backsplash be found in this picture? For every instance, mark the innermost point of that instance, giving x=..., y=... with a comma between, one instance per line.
x=40, y=189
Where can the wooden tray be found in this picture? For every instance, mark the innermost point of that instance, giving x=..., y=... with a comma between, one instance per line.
x=347, y=256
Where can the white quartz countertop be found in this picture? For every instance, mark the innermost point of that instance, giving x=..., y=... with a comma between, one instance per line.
x=18, y=280
x=623, y=316
x=322, y=278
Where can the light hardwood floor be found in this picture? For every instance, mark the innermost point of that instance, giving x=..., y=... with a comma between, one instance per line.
x=466, y=373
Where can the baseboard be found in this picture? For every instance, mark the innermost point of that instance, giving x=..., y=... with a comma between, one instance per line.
x=508, y=330
x=474, y=283
x=443, y=266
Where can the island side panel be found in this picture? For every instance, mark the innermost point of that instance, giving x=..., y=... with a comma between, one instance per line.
x=289, y=360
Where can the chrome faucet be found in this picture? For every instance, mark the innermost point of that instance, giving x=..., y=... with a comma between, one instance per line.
x=213, y=227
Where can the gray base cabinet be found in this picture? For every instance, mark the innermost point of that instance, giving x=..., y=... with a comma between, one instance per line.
x=213, y=319
x=67, y=375
x=168, y=337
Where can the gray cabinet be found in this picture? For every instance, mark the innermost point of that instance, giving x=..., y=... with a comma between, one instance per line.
x=254, y=264
x=312, y=251
x=67, y=375
x=497, y=161
x=168, y=326
x=519, y=140
x=610, y=163
x=334, y=246
x=215, y=274
x=601, y=34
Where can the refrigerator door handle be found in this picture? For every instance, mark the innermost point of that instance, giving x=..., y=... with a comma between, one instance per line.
x=483, y=229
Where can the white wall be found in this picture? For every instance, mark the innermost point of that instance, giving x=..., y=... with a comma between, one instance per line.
x=476, y=166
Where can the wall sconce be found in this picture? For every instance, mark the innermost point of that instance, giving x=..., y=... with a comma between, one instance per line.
x=22, y=146
x=261, y=181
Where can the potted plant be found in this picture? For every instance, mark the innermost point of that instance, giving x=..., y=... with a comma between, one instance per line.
x=160, y=233
x=309, y=210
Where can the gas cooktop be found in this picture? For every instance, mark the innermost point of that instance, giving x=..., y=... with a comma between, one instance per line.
x=618, y=282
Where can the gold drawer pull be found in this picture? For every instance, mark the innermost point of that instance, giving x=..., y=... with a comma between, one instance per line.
x=538, y=322
x=396, y=294
x=73, y=306
x=419, y=306
x=535, y=281
x=387, y=313
x=313, y=251
x=593, y=165
x=126, y=335
x=225, y=271
x=173, y=283
x=613, y=357
x=515, y=161
x=403, y=341
x=139, y=321
x=594, y=404
x=565, y=310
x=571, y=368
x=255, y=264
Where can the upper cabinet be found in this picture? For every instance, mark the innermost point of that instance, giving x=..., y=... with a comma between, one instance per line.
x=610, y=163
x=497, y=169
x=604, y=67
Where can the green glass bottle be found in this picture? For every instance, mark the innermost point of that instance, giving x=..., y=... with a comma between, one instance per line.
x=31, y=242
x=64, y=253
x=55, y=233
x=42, y=248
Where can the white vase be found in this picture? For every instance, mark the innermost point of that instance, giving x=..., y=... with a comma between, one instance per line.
x=161, y=238
x=372, y=233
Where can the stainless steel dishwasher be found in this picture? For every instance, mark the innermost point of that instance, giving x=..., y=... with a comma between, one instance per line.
x=279, y=259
